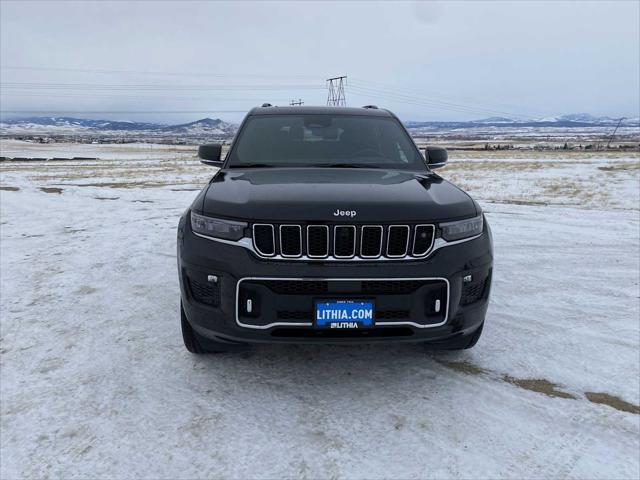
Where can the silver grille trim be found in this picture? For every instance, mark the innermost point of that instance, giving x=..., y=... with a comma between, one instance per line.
x=295, y=255
x=335, y=236
x=248, y=244
x=362, y=229
x=309, y=236
x=340, y=242
x=415, y=235
x=253, y=231
x=406, y=246
x=309, y=324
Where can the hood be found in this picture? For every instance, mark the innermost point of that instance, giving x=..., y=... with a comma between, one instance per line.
x=317, y=195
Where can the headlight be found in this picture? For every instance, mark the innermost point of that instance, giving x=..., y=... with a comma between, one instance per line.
x=216, y=227
x=461, y=229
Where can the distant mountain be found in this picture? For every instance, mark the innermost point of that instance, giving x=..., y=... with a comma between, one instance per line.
x=582, y=118
x=66, y=125
x=496, y=120
x=70, y=122
x=205, y=125
x=219, y=129
x=562, y=121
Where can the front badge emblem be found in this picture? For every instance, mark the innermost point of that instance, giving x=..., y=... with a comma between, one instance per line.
x=345, y=213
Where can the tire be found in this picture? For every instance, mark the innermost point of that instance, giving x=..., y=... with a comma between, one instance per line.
x=462, y=343
x=189, y=337
x=475, y=337
x=200, y=345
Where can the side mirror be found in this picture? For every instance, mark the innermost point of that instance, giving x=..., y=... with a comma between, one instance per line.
x=436, y=157
x=210, y=154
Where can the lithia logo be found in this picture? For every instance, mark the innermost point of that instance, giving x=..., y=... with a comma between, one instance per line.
x=345, y=213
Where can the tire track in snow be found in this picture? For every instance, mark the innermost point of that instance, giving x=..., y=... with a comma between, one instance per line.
x=543, y=386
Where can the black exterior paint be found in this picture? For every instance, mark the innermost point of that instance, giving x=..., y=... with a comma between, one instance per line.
x=307, y=194
x=311, y=195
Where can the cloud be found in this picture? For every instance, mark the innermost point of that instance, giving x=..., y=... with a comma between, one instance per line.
x=427, y=13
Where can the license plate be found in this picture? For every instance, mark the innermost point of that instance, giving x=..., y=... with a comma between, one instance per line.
x=346, y=314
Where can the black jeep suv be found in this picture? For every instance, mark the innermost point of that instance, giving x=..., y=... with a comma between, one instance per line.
x=328, y=225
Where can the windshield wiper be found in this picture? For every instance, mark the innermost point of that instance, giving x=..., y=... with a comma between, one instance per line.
x=344, y=165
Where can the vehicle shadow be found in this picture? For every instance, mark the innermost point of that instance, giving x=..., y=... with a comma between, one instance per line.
x=330, y=370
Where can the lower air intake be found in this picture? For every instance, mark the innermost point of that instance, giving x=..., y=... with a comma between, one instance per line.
x=472, y=292
x=206, y=293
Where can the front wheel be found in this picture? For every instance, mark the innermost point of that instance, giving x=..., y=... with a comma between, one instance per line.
x=199, y=345
x=463, y=343
x=475, y=337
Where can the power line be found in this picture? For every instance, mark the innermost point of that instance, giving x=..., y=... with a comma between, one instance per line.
x=132, y=112
x=336, y=88
x=336, y=96
x=426, y=101
x=257, y=97
x=378, y=87
x=150, y=87
x=418, y=101
x=159, y=73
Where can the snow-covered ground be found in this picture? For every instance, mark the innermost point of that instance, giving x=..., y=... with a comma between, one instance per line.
x=95, y=381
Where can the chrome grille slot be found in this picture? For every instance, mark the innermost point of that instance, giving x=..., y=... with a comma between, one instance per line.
x=264, y=240
x=371, y=241
x=318, y=241
x=344, y=241
x=397, y=241
x=290, y=241
x=423, y=239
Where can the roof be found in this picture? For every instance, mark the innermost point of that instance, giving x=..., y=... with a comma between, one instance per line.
x=310, y=110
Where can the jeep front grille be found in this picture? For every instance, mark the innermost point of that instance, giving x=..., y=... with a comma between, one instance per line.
x=343, y=242
x=264, y=240
x=397, y=241
x=290, y=241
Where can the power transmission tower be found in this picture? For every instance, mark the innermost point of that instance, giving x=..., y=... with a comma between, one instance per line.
x=614, y=132
x=299, y=102
x=336, y=97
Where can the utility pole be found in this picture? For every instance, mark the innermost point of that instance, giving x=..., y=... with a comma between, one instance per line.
x=299, y=102
x=614, y=132
x=336, y=97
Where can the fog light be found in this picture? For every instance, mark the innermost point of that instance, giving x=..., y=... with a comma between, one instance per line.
x=467, y=278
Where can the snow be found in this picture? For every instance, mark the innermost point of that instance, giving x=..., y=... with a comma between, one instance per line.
x=106, y=151
x=95, y=381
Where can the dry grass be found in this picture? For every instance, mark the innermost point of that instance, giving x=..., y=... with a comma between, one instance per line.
x=540, y=386
x=613, y=402
x=620, y=167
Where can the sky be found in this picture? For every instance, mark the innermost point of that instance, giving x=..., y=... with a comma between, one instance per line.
x=172, y=62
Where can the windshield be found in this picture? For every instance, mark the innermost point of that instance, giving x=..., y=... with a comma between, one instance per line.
x=325, y=141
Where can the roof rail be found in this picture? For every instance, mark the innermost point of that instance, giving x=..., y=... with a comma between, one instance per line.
x=375, y=107
x=266, y=105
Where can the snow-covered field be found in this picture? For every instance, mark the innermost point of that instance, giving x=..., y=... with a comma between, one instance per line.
x=95, y=381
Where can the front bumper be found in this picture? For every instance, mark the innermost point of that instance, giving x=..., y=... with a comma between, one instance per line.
x=217, y=309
